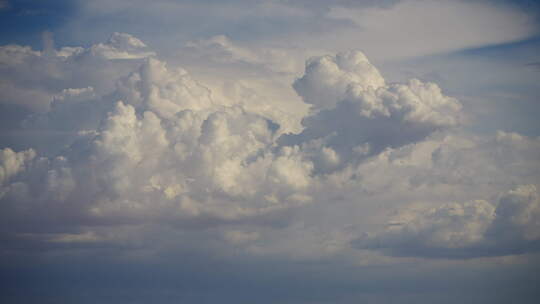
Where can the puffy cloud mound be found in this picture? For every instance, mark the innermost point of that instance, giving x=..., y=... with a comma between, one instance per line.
x=151, y=146
x=360, y=115
x=470, y=229
x=328, y=78
x=161, y=138
x=160, y=146
x=163, y=91
x=195, y=163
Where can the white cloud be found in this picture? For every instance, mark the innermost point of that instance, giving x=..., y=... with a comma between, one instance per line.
x=160, y=148
x=256, y=77
x=121, y=46
x=327, y=79
x=357, y=114
x=165, y=92
x=355, y=80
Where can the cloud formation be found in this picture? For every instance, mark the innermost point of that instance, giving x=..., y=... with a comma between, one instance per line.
x=32, y=78
x=465, y=230
x=357, y=115
x=155, y=152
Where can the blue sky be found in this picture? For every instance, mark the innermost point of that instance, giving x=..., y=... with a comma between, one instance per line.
x=269, y=151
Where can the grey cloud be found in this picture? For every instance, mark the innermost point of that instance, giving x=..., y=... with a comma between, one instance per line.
x=465, y=230
x=33, y=78
x=534, y=65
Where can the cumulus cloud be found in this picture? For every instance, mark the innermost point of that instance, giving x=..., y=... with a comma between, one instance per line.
x=256, y=77
x=357, y=114
x=158, y=148
x=462, y=167
x=160, y=138
x=328, y=78
x=165, y=92
x=464, y=230
x=213, y=164
x=32, y=78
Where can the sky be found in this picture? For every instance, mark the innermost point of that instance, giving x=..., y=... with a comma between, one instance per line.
x=278, y=151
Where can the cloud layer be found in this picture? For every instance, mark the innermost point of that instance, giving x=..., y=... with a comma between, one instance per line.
x=159, y=165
